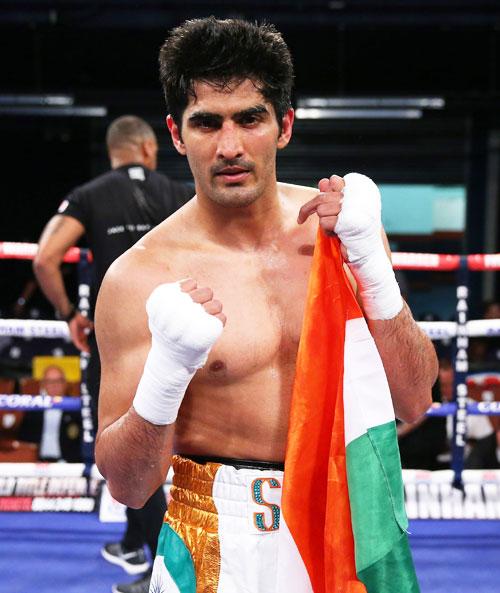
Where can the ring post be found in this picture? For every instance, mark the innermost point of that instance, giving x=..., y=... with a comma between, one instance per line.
x=84, y=282
x=461, y=367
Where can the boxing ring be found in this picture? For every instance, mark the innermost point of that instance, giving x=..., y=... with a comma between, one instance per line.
x=54, y=518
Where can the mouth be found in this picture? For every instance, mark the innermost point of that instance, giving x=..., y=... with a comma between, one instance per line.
x=233, y=174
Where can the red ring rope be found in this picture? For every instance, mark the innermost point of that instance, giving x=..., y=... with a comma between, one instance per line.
x=401, y=260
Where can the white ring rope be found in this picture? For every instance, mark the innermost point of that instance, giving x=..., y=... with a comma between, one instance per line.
x=33, y=328
x=441, y=330
x=436, y=330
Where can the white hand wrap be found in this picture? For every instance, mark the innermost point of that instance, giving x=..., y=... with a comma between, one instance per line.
x=182, y=336
x=359, y=228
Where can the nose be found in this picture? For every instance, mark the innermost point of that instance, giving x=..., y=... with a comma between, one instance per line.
x=229, y=145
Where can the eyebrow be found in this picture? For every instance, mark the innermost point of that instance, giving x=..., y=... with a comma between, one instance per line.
x=200, y=116
x=256, y=110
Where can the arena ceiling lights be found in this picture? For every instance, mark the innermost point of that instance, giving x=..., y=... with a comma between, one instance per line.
x=48, y=105
x=365, y=107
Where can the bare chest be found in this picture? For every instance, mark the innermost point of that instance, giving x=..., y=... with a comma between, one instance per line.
x=263, y=297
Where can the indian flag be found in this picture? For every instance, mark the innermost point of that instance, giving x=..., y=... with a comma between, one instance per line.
x=343, y=524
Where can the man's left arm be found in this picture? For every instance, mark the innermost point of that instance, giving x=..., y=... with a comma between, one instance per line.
x=409, y=360
x=351, y=208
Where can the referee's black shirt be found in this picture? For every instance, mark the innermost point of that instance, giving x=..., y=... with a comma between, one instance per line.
x=119, y=207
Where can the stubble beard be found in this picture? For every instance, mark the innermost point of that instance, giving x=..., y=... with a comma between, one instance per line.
x=234, y=196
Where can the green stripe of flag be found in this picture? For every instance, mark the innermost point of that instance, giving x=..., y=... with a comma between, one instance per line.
x=383, y=559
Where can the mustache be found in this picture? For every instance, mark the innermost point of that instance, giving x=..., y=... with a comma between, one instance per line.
x=219, y=167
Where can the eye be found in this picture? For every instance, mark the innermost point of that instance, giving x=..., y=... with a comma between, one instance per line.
x=205, y=123
x=249, y=119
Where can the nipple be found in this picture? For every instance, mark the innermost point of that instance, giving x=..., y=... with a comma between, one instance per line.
x=216, y=366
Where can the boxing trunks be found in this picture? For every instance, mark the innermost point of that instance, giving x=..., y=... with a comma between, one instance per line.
x=220, y=533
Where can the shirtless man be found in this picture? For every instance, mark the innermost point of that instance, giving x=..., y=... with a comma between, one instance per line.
x=226, y=277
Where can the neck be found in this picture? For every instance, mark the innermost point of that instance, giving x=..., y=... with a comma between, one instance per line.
x=247, y=227
x=121, y=158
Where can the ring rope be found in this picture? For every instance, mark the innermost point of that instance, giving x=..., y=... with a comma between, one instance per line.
x=460, y=331
x=33, y=328
x=22, y=402
x=400, y=260
x=473, y=408
x=436, y=330
x=11, y=250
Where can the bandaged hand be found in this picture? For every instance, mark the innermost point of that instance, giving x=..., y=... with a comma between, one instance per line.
x=185, y=322
x=351, y=207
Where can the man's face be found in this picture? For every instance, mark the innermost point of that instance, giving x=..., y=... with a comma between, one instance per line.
x=230, y=138
x=53, y=382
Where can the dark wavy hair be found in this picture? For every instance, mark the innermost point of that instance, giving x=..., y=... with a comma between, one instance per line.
x=223, y=51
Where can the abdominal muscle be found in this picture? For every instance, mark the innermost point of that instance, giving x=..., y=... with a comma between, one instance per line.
x=247, y=419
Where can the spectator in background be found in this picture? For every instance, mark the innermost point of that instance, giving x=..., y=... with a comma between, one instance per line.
x=58, y=433
x=422, y=443
x=491, y=310
x=484, y=353
x=480, y=451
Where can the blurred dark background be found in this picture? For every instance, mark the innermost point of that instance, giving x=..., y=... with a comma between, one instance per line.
x=102, y=56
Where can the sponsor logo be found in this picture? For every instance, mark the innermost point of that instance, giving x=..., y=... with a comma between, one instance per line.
x=68, y=504
x=47, y=329
x=121, y=228
x=489, y=407
x=37, y=504
x=428, y=499
x=35, y=402
x=48, y=486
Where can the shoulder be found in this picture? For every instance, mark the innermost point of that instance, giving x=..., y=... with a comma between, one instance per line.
x=120, y=315
x=174, y=230
x=99, y=182
x=98, y=186
x=149, y=262
x=297, y=193
x=135, y=273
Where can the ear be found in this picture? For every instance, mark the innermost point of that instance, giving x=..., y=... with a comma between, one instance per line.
x=149, y=148
x=176, y=135
x=286, y=128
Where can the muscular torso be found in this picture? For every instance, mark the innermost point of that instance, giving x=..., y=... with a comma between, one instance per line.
x=238, y=404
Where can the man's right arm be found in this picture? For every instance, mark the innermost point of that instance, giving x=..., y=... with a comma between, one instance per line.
x=131, y=453
x=143, y=376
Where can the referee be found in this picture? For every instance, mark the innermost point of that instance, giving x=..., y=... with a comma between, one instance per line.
x=114, y=211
